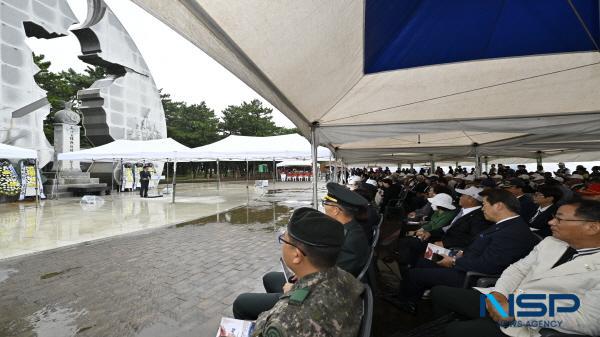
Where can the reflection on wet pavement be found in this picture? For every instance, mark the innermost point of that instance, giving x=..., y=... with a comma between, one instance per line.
x=25, y=228
x=272, y=208
x=173, y=281
x=5, y=274
x=56, y=322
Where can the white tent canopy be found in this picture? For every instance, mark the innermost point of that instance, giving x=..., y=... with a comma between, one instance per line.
x=14, y=152
x=129, y=149
x=287, y=163
x=241, y=148
x=510, y=106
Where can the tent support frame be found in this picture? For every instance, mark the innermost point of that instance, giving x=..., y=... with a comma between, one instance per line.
x=174, y=179
x=314, y=144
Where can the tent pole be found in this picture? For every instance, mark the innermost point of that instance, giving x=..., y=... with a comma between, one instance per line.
x=167, y=177
x=477, y=161
x=247, y=173
x=218, y=176
x=485, y=161
x=112, y=179
x=121, y=177
x=538, y=159
x=336, y=169
x=57, y=181
x=174, y=178
x=314, y=144
x=37, y=185
x=274, y=173
x=329, y=168
x=432, y=164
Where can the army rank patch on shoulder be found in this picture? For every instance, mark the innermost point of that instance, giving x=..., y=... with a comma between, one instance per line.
x=274, y=330
x=299, y=295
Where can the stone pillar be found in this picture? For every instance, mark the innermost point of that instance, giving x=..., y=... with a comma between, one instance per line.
x=66, y=138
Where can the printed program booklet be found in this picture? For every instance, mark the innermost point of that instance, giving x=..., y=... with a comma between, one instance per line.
x=231, y=327
x=433, y=249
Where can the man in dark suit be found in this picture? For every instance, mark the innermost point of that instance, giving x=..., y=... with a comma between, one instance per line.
x=390, y=192
x=460, y=233
x=508, y=240
x=517, y=187
x=546, y=198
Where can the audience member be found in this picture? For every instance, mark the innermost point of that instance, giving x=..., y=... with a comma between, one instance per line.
x=516, y=186
x=566, y=263
x=324, y=300
x=546, y=198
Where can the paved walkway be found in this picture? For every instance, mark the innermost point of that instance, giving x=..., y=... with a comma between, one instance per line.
x=26, y=229
x=174, y=281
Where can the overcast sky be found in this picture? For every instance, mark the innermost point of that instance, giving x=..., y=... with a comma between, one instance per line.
x=177, y=66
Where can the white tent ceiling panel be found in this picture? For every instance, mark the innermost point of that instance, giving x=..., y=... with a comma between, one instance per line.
x=306, y=58
x=480, y=89
x=290, y=41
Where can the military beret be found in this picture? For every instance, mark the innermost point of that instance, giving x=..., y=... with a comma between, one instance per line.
x=343, y=196
x=314, y=228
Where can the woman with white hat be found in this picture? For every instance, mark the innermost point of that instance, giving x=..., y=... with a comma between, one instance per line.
x=443, y=212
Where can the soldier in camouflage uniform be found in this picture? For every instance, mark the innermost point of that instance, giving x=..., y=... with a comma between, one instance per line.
x=325, y=300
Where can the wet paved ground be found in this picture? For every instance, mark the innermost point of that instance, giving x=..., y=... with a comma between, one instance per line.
x=175, y=281
x=26, y=229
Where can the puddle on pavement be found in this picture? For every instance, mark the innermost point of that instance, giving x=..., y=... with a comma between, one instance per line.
x=273, y=215
x=269, y=211
x=56, y=322
x=5, y=274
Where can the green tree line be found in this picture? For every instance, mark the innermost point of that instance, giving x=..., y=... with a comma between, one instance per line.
x=190, y=124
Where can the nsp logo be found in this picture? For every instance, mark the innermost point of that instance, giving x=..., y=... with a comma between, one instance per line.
x=531, y=305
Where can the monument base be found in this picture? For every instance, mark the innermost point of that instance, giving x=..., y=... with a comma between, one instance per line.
x=58, y=187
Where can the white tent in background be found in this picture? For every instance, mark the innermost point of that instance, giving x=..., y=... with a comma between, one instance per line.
x=287, y=163
x=241, y=148
x=14, y=152
x=166, y=149
x=159, y=149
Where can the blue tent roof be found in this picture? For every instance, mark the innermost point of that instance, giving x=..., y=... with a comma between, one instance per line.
x=413, y=33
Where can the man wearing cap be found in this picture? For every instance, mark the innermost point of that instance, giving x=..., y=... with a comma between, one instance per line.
x=369, y=217
x=492, y=251
x=324, y=300
x=562, y=171
x=516, y=186
x=340, y=204
x=467, y=224
x=459, y=233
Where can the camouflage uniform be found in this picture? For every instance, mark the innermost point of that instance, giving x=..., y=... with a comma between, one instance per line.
x=322, y=304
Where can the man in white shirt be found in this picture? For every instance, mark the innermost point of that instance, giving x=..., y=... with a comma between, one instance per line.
x=566, y=263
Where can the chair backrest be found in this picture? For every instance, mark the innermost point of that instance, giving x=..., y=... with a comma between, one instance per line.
x=377, y=232
x=367, y=318
x=363, y=271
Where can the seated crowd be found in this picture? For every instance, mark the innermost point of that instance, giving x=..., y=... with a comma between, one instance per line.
x=535, y=232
